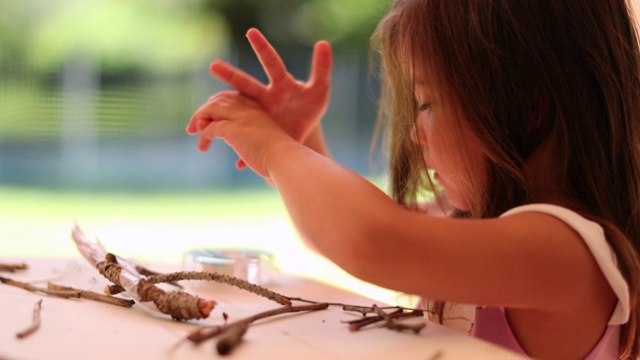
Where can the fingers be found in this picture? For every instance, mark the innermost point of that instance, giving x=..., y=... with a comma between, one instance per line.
x=197, y=123
x=237, y=79
x=215, y=129
x=191, y=128
x=203, y=143
x=240, y=164
x=321, y=64
x=271, y=62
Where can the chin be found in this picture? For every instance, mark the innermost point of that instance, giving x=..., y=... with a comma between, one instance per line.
x=458, y=203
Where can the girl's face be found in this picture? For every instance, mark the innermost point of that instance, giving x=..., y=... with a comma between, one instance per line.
x=444, y=156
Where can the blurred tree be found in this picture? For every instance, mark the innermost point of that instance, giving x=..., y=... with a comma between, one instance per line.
x=302, y=22
x=146, y=35
x=293, y=26
x=347, y=24
x=165, y=35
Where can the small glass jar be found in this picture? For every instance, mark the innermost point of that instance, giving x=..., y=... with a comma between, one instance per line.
x=254, y=266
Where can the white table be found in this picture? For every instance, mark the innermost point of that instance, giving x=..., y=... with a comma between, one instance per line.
x=84, y=329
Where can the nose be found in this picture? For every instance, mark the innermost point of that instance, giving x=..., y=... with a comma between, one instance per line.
x=418, y=135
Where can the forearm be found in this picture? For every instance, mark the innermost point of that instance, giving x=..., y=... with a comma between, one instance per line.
x=339, y=212
x=316, y=141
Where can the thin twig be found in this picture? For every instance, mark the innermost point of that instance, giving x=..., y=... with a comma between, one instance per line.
x=90, y=295
x=144, y=271
x=355, y=325
x=364, y=310
x=390, y=323
x=389, y=318
x=222, y=278
x=32, y=288
x=231, y=333
x=231, y=337
x=36, y=322
x=13, y=267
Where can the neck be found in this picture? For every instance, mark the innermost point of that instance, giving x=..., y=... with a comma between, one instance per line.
x=541, y=170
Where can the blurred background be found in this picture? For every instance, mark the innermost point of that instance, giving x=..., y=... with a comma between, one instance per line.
x=95, y=94
x=94, y=99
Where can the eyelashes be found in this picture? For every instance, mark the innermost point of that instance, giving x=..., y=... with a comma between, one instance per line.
x=424, y=107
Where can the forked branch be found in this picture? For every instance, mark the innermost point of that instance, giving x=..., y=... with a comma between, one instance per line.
x=231, y=334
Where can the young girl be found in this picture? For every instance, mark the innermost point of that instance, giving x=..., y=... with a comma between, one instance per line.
x=526, y=114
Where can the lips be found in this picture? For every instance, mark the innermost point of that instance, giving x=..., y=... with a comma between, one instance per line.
x=437, y=178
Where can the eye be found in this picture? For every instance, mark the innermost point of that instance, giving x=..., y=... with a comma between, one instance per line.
x=424, y=107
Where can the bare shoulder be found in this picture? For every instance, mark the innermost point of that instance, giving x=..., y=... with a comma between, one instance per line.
x=564, y=263
x=525, y=260
x=570, y=285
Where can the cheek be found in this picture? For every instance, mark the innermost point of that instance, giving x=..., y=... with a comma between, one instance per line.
x=476, y=159
x=419, y=133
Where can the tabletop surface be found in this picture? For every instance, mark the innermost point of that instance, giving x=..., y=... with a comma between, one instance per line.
x=83, y=329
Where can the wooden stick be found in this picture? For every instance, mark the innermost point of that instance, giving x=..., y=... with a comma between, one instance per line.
x=364, y=310
x=231, y=333
x=179, y=305
x=90, y=295
x=36, y=322
x=32, y=288
x=13, y=267
x=148, y=272
x=222, y=278
x=355, y=325
x=390, y=323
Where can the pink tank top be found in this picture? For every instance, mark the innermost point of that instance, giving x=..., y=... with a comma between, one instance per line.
x=491, y=325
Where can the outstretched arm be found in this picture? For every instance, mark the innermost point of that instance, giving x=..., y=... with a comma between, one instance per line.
x=357, y=226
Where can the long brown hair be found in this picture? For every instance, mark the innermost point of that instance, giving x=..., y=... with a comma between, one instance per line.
x=523, y=73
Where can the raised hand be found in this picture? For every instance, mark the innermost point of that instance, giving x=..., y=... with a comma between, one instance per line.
x=295, y=106
x=244, y=125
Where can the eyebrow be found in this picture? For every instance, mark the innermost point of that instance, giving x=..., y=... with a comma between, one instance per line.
x=423, y=84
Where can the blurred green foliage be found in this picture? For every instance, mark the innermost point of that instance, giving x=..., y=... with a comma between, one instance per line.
x=126, y=40
x=92, y=91
x=169, y=35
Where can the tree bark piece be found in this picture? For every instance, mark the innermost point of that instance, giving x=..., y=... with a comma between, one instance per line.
x=179, y=305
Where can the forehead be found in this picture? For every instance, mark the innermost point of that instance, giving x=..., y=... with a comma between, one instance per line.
x=420, y=77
